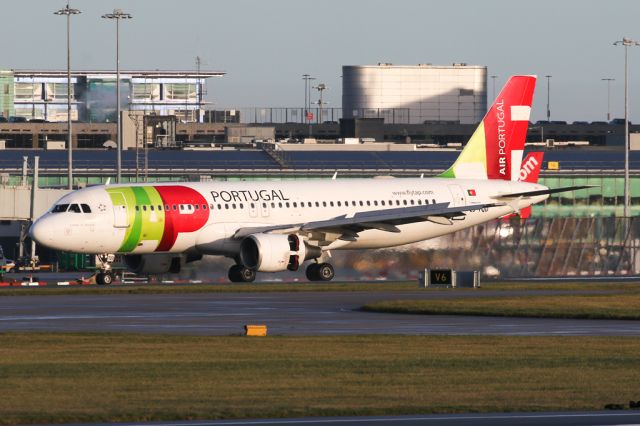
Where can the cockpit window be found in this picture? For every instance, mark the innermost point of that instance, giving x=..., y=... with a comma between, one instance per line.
x=85, y=208
x=74, y=208
x=60, y=208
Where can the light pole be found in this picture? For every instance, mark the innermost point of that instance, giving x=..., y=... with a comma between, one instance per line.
x=305, y=77
x=320, y=88
x=626, y=42
x=608, y=80
x=493, y=78
x=548, y=96
x=67, y=11
x=118, y=14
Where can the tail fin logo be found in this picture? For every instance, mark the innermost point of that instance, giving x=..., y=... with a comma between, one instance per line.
x=530, y=168
x=495, y=148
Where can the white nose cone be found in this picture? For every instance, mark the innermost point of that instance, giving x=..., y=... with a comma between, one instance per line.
x=40, y=234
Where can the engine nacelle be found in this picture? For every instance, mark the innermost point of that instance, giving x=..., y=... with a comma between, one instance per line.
x=275, y=252
x=153, y=263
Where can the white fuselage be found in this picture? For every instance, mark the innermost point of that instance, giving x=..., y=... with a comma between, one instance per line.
x=231, y=206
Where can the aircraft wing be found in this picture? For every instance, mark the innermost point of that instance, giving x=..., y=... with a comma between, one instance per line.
x=347, y=227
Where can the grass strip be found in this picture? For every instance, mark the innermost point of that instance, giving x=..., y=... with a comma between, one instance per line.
x=304, y=286
x=55, y=378
x=622, y=306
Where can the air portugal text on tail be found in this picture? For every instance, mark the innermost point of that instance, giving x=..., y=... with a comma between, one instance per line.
x=495, y=148
x=158, y=227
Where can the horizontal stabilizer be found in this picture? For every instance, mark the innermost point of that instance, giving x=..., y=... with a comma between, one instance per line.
x=542, y=192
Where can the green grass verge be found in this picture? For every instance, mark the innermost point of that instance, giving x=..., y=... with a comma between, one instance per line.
x=618, y=305
x=304, y=286
x=55, y=378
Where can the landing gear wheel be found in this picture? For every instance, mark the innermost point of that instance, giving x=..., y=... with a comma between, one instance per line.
x=241, y=274
x=320, y=272
x=104, y=278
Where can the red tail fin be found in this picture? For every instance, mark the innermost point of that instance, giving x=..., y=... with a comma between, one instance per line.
x=529, y=172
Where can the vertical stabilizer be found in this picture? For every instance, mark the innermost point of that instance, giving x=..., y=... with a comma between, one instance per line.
x=495, y=148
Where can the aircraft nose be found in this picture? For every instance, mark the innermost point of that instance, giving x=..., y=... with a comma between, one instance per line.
x=38, y=232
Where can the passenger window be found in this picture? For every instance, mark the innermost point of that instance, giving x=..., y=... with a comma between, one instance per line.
x=152, y=208
x=339, y=204
x=419, y=202
x=253, y=206
x=404, y=202
x=197, y=207
x=137, y=208
x=273, y=205
x=204, y=207
x=189, y=207
x=287, y=204
x=241, y=206
x=280, y=205
x=426, y=201
x=219, y=207
x=295, y=204
x=434, y=201
x=411, y=201
x=331, y=203
x=397, y=202
x=144, y=208
x=361, y=203
x=317, y=204
x=368, y=202
x=159, y=207
x=375, y=202
x=264, y=205
x=233, y=206
x=166, y=207
x=226, y=206
x=324, y=204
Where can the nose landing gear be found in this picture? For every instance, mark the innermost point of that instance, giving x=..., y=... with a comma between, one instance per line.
x=104, y=261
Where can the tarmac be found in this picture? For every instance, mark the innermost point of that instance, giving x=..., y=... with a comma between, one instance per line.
x=290, y=313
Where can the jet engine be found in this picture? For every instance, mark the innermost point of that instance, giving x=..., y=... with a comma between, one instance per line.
x=275, y=252
x=157, y=263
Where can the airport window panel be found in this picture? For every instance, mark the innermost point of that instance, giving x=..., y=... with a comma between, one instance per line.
x=85, y=208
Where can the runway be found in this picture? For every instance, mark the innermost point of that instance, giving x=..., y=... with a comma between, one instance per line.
x=304, y=313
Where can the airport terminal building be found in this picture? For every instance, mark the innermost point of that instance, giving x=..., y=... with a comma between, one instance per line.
x=42, y=95
x=415, y=94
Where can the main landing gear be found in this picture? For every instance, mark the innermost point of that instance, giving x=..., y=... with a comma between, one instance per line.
x=241, y=274
x=320, y=272
x=105, y=276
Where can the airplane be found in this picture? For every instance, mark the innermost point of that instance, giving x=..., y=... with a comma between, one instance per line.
x=276, y=226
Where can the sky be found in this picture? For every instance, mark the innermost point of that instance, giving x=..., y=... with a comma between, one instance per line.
x=265, y=46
